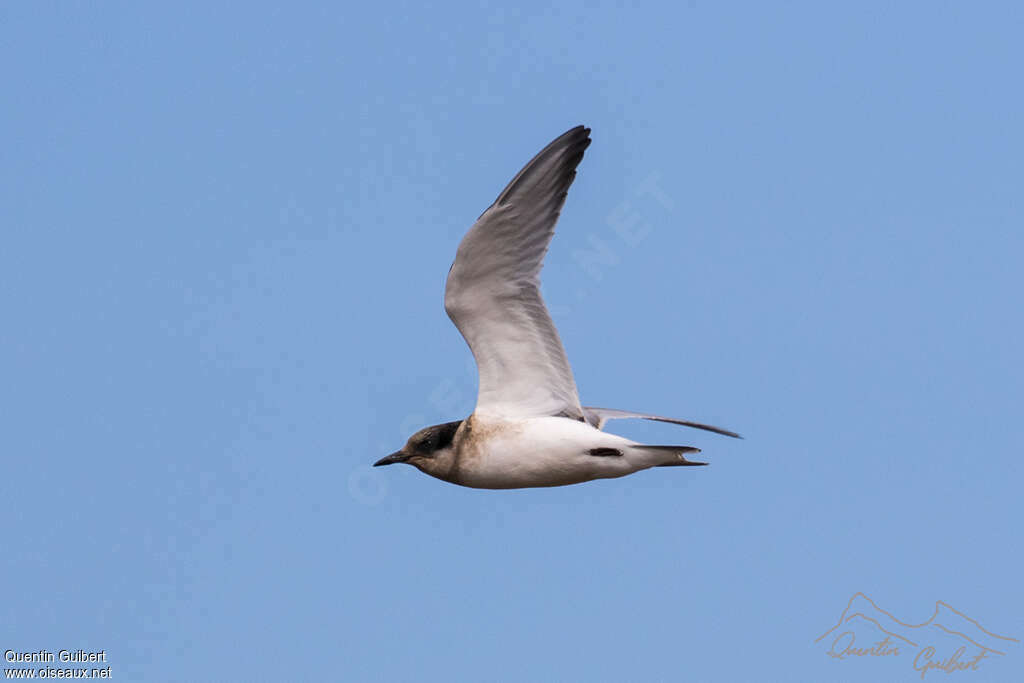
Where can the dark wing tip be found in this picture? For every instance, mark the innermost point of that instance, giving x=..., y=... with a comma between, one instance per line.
x=695, y=425
x=576, y=130
x=567, y=147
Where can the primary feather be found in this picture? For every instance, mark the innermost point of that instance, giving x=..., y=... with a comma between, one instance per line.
x=493, y=290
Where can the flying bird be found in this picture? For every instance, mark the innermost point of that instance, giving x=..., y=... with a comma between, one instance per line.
x=528, y=428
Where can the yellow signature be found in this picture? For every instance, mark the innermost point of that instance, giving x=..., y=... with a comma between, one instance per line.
x=893, y=644
x=846, y=640
x=951, y=664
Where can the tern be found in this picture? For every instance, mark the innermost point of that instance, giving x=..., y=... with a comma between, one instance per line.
x=528, y=428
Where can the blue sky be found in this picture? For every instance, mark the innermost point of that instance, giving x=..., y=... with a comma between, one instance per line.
x=227, y=231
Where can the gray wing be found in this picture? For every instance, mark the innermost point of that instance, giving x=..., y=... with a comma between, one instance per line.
x=493, y=290
x=598, y=417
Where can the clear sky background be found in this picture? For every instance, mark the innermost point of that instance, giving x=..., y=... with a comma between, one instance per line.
x=226, y=234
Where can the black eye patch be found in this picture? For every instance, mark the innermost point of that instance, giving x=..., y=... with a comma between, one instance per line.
x=437, y=437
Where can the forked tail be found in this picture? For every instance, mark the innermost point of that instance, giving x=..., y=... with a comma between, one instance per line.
x=673, y=456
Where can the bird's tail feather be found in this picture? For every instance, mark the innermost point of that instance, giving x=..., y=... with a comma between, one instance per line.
x=674, y=456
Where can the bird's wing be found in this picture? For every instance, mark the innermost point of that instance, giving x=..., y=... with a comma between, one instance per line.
x=493, y=290
x=598, y=417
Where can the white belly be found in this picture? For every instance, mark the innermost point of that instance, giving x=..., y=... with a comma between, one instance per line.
x=542, y=451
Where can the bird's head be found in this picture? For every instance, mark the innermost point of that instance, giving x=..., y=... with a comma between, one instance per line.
x=430, y=450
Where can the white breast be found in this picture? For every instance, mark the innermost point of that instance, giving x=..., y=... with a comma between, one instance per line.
x=542, y=451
